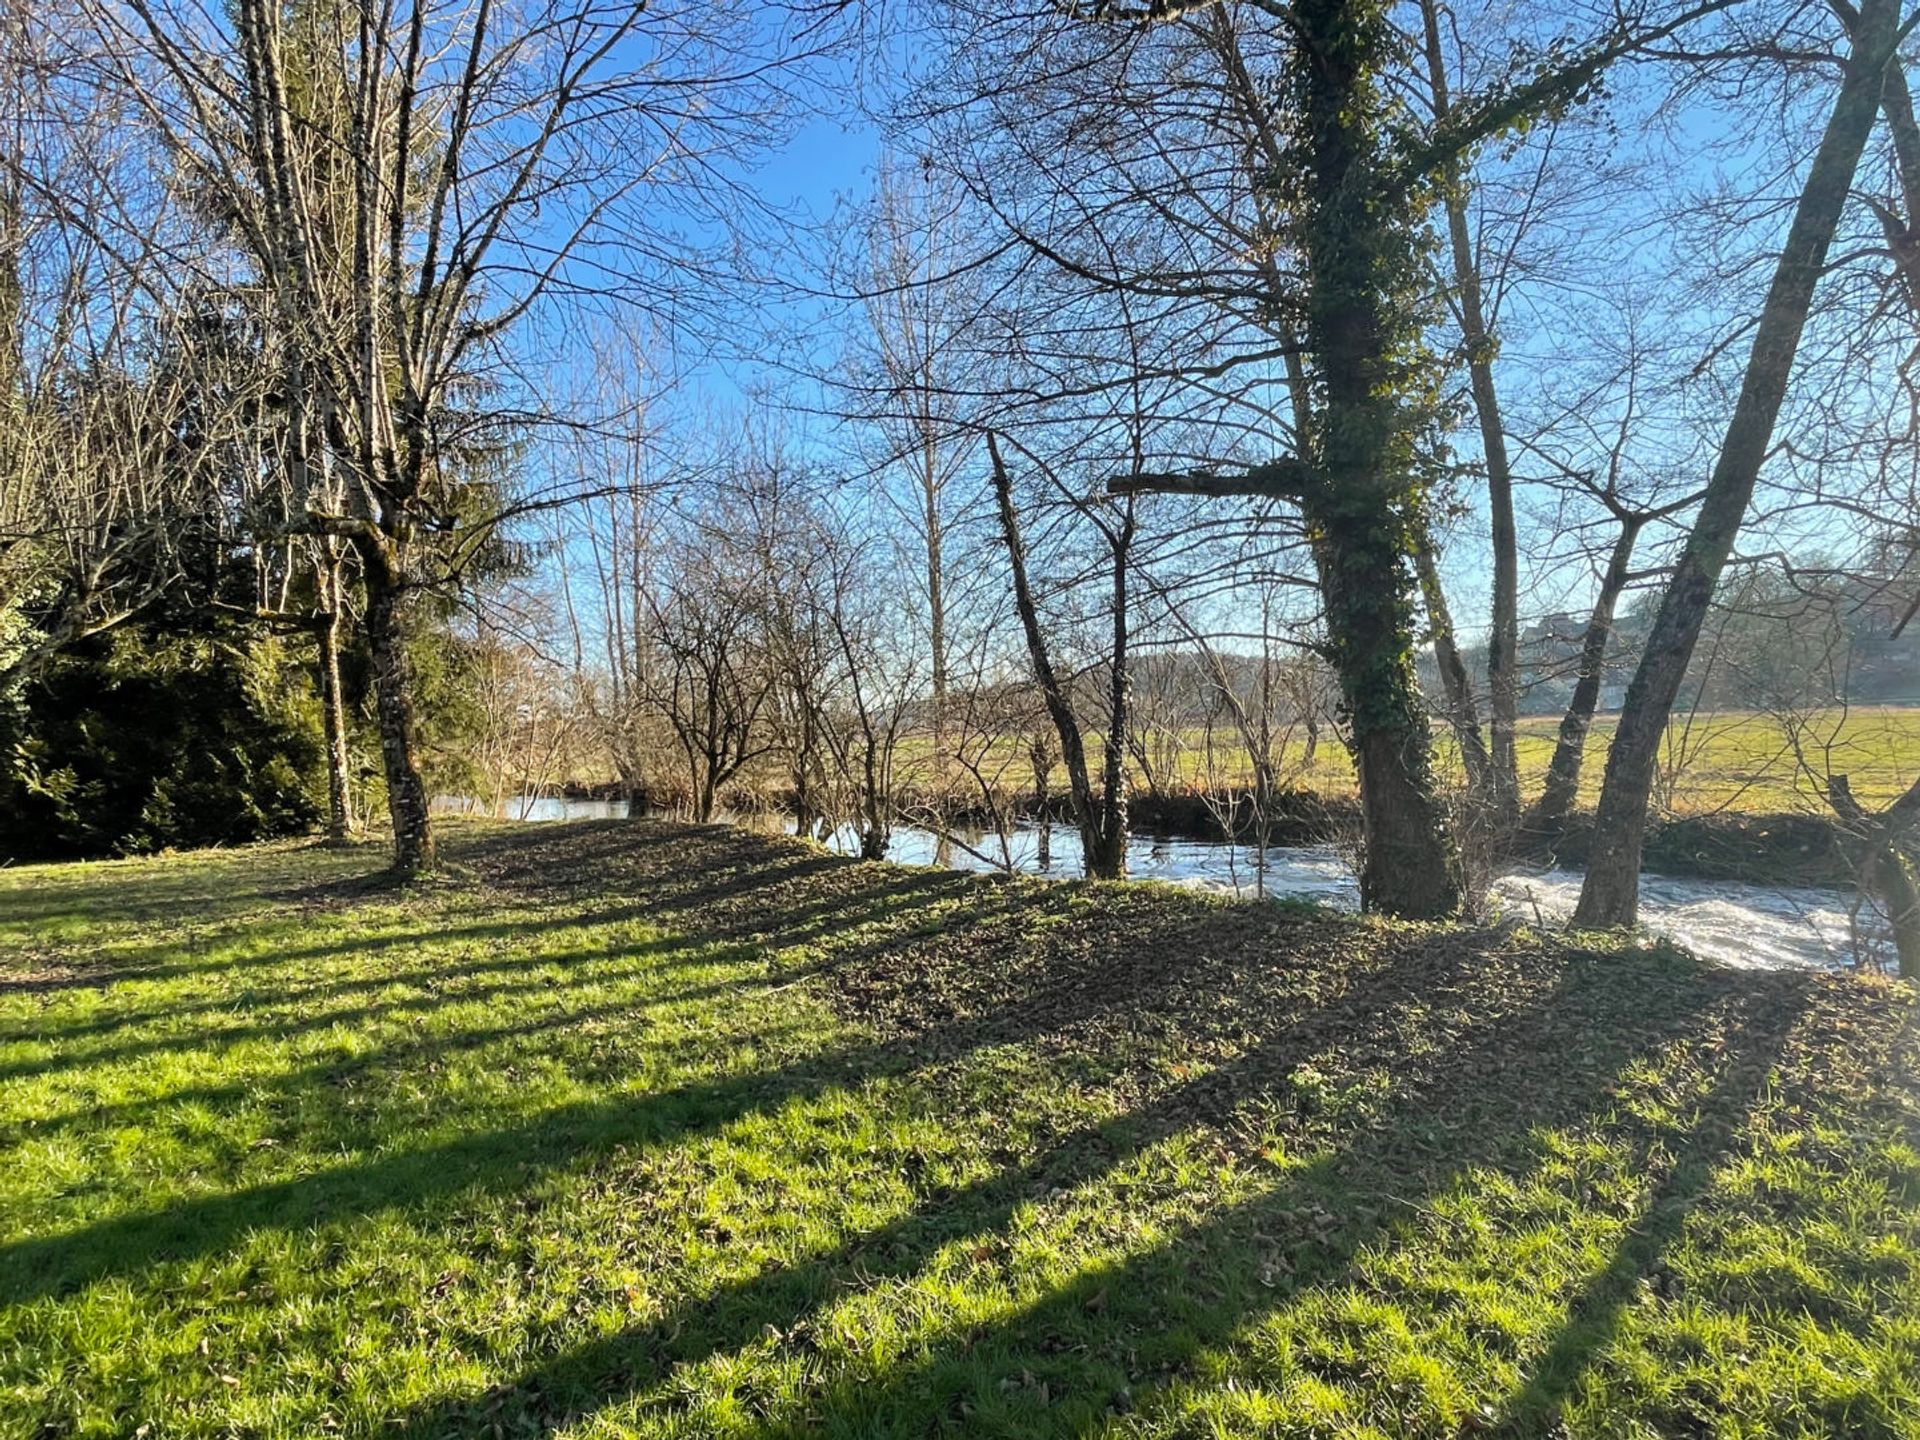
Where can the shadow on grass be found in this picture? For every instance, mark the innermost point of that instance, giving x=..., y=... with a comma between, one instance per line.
x=1501, y=1074
x=1482, y=1047
x=1593, y=1319
x=736, y=887
x=892, y=896
x=329, y=1074
x=123, y=1245
x=552, y=1139
x=487, y=1160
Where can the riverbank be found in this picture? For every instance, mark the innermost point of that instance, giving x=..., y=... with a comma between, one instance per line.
x=644, y=1129
x=1754, y=849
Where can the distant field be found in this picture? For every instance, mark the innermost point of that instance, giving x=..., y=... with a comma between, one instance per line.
x=1713, y=762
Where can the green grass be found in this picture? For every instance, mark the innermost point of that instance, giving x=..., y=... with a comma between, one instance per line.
x=1714, y=761
x=631, y=1129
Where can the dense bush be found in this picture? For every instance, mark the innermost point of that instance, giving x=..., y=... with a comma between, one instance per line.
x=143, y=741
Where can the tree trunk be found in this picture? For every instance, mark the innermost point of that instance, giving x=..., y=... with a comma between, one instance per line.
x=1040, y=758
x=1363, y=502
x=393, y=705
x=1408, y=865
x=807, y=815
x=1461, y=711
x=937, y=627
x=1073, y=748
x=333, y=708
x=1562, y=785
x=1110, y=863
x=1885, y=872
x=876, y=837
x=1503, y=637
x=1610, y=896
x=1893, y=882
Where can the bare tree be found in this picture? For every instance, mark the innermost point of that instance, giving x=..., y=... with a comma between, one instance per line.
x=904, y=384
x=711, y=680
x=1610, y=894
x=411, y=183
x=1103, y=818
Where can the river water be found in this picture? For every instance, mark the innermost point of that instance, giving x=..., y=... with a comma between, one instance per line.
x=1768, y=927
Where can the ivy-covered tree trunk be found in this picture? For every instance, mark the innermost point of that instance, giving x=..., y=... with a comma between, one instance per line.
x=1408, y=866
x=1610, y=896
x=1363, y=503
x=393, y=706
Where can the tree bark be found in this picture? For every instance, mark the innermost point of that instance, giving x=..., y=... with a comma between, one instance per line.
x=936, y=619
x=1891, y=875
x=1111, y=826
x=333, y=707
x=1885, y=871
x=1040, y=758
x=1461, y=711
x=413, y=847
x=1363, y=502
x=1610, y=896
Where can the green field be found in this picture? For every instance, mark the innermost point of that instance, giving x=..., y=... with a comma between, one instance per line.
x=634, y=1129
x=1720, y=761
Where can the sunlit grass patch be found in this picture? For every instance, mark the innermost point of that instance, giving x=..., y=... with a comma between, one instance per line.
x=635, y=1130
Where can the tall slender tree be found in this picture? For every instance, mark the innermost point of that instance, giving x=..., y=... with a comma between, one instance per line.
x=1610, y=894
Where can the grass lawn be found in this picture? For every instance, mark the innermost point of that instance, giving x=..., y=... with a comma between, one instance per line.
x=634, y=1129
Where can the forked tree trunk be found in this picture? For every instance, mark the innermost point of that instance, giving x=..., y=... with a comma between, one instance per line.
x=1891, y=875
x=413, y=851
x=807, y=816
x=1885, y=872
x=1562, y=785
x=1610, y=897
x=1095, y=846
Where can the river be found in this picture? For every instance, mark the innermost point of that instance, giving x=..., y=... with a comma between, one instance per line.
x=1767, y=927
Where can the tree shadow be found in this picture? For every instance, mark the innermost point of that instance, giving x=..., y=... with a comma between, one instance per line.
x=1683, y=1172
x=893, y=897
x=120, y=1245
x=329, y=1074
x=1480, y=1044
x=774, y=890
x=1503, y=1071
